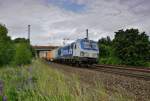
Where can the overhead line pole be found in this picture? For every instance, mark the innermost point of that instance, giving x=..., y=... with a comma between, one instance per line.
x=87, y=34
x=29, y=32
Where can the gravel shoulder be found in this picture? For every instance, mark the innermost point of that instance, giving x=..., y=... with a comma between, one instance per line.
x=140, y=89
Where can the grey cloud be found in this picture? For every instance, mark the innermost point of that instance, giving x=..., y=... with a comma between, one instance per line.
x=138, y=7
x=50, y=24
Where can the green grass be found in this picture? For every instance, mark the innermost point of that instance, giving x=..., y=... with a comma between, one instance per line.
x=38, y=82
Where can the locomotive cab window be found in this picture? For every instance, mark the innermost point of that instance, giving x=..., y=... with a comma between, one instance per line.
x=90, y=45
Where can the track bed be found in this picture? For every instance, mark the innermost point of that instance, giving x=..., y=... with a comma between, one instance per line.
x=137, y=87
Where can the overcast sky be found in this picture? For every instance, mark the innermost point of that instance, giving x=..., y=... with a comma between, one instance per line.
x=53, y=20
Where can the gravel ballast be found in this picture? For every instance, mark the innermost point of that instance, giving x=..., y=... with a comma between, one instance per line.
x=140, y=89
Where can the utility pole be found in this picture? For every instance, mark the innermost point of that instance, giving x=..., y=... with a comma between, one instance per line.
x=87, y=34
x=29, y=26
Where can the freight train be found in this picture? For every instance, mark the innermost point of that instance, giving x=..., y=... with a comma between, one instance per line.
x=82, y=51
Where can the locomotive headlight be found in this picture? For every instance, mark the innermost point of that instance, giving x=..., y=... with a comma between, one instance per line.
x=85, y=54
x=81, y=53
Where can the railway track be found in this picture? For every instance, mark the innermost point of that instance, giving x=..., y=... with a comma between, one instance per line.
x=139, y=73
x=139, y=69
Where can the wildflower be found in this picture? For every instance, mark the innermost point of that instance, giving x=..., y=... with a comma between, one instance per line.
x=4, y=98
x=1, y=88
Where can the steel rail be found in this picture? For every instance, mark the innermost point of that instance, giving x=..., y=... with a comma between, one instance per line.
x=130, y=72
x=125, y=68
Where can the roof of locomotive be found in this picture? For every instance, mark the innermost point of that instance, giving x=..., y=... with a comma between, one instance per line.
x=85, y=39
x=78, y=40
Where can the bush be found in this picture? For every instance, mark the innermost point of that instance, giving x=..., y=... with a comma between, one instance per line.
x=23, y=54
x=110, y=57
x=107, y=52
x=6, y=46
x=104, y=51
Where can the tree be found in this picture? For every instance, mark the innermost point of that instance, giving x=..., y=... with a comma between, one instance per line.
x=6, y=46
x=106, y=52
x=104, y=46
x=132, y=47
x=105, y=41
x=21, y=40
x=18, y=51
x=23, y=54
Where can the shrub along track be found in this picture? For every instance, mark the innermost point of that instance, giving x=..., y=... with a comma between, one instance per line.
x=131, y=86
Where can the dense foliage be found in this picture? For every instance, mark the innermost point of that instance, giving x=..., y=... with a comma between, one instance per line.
x=132, y=47
x=11, y=49
x=25, y=41
x=6, y=47
x=22, y=54
x=21, y=40
x=129, y=47
x=104, y=46
x=107, y=54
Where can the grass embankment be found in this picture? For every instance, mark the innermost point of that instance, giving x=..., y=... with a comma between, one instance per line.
x=38, y=82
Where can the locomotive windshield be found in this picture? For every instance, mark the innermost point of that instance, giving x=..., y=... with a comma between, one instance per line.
x=90, y=45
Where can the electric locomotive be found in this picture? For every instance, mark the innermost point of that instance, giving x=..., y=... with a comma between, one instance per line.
x=82, y=51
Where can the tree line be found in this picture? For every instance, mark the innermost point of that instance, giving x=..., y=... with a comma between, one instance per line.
x=15, y=52
x=129, y=47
